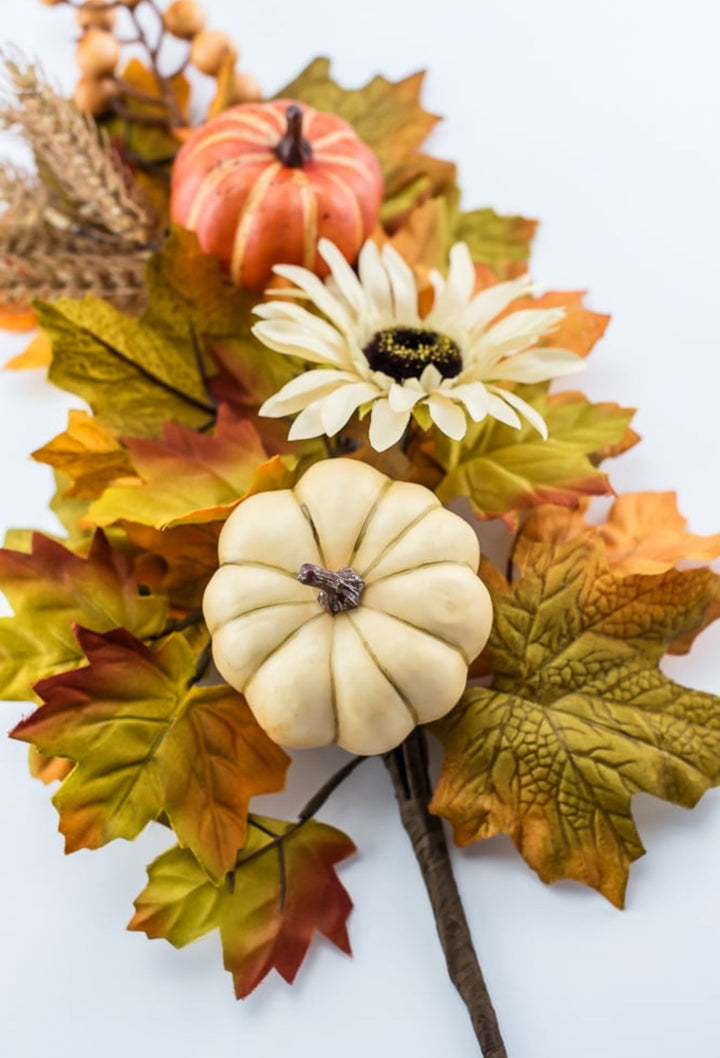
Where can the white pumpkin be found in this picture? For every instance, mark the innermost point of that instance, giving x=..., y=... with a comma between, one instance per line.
x=385, y=647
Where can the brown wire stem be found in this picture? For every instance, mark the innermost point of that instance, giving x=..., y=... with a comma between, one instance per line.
x=408, y=770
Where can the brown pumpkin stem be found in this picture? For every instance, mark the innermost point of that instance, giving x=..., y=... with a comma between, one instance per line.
x=338, y=591
x=293, y=150
x=408, y=768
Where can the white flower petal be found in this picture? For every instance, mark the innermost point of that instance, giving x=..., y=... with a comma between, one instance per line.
x=512, y=335
x=348, y=283
x=489, y=303
x=502, y=412
x=451, y=299
x=308, y=423
x=316, y=290
x=404, y=288
x=340, y=405
x=539, y=365
x=303, y=390
x=431, y=379
x=533, y=417
x=403, y=398
x=386, y=426
x=304, y=320
x=288, y=338
x=375, y=280
x=475, y=398
x=448, y=417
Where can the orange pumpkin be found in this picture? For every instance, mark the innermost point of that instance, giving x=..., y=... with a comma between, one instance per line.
x=263, y=182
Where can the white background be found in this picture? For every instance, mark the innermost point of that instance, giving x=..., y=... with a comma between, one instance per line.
x=602, y=120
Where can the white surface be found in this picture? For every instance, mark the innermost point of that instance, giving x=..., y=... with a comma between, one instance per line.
x=602, y=120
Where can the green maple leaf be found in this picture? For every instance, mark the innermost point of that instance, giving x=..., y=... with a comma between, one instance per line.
x=282, y=893
x=387, y=115
x=51, y=589
x=502, y=470
x=579, y=716
x=146, y=741
x=501, y=242
x=136, y=374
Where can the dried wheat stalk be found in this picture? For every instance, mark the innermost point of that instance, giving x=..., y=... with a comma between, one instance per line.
x=74, y=158
x=43, y=274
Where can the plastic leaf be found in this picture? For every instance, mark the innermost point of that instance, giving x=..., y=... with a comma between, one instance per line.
x=278, y=899
x=387, y=115
x=191, y=477
x=147, y=740
x=579, y=716
x=133, y=376
x=501, y=242
x=187, y=556
x=50, y=589
x=88, y=455
x=644, y=533
x=37, y=354
x=137, y=374
x=501, y=470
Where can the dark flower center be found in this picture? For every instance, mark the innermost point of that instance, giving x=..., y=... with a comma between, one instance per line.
x=404, y=352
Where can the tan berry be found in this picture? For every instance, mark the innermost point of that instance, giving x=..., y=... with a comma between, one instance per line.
x=184, y=19
x=94, y=95
x=51, y=3
x=95, y=14
x=98, y=53
x=246, y=88
x=209, y=51
x=130, y=3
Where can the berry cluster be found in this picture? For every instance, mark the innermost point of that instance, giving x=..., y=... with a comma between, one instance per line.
x=100, y=89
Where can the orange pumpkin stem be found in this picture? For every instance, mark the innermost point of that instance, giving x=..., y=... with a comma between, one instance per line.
x=293, y=150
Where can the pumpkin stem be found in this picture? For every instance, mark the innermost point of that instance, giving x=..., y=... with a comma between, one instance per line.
x=338, y=591
x=293, y=150
x=408, y=768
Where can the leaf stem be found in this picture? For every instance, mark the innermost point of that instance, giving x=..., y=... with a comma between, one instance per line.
x=408, y=768
x=316, y=802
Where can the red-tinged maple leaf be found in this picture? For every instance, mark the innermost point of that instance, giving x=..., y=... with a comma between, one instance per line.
x=191, y=477
x=148, y=740
x=53, y=588
x=283, y=890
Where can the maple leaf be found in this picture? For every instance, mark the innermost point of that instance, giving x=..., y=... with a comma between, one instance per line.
x=50, y=589
x=192, y=477
x=187, y=556
x=37, y=354
x=89, y=456
x=387, y=115
x=501, y=470
x=644, y=532
x=579, y=716
x=17, y=319
x=137, y=374
x=133, y=376
x=147, y=740
x=501, y=242
x=284, y=891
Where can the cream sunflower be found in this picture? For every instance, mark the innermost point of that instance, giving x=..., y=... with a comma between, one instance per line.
x=374, y=349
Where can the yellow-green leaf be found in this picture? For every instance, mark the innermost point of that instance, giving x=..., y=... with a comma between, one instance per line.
x=579, y=716
x=387, y=115
x=148, y=740
x=502, y=470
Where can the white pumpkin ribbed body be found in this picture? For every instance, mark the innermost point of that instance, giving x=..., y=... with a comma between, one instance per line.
x=364, y=677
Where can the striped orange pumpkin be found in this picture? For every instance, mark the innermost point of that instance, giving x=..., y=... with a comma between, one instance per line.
x=263, y=182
